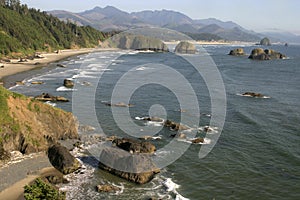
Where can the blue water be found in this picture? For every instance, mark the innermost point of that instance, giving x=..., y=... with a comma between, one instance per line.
x=257, y=155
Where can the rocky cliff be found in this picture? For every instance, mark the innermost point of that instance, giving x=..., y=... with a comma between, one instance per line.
x=28, y=126
x=138, y=42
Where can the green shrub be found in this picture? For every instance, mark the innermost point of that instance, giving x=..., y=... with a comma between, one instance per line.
x=42, y=190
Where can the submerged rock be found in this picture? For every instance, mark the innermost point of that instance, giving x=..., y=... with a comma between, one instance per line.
x=237, y=52
x=121, y=104
x=198, y=140
x=137, y=168
x=60, y=157
x=185, y=48
x=134, y=146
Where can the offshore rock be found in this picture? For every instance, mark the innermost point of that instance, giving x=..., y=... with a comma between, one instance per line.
x=237, y=52
x=68, y=83
x=137, y=168
x=185, y=48
x=265, y=42
x=267, y=54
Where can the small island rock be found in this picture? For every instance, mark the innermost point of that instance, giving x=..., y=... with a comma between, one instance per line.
x=237, y=52
x=185, y=48
x=265, y=42
x=68, y=83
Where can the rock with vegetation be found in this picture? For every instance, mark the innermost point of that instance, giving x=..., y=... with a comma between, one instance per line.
x=265, y=42
x=138, y=42
x=267, y=54
x=60, y=157
x=185, y=48
x=134, y=146
x=137, y=168
x=41, y=189
x=237, y=52
x=68, y=83
x=28, y=126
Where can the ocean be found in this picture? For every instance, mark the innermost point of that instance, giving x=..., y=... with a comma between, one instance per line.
x=253, y=153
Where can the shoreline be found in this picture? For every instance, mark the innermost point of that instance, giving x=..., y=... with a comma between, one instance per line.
x=14, y=67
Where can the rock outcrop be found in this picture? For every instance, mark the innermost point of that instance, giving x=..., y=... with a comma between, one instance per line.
x=139, y=42
x=134, y=146
x=60, y=157
x=265, y=42
x=49, y=97
x=237, y=52
x=137, y=168
x=267, y=54
x=185, y=48
x=28, y=126
x=175, y=126
x=68, y=83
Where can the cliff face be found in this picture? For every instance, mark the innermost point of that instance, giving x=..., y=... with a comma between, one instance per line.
x=138, y=42
x=30, y=126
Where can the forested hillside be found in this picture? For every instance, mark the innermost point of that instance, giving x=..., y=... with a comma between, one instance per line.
x=26, y=30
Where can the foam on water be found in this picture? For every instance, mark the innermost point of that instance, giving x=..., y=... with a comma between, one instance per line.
x=65, y=89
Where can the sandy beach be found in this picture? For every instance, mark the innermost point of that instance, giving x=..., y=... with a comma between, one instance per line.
x=15, y=66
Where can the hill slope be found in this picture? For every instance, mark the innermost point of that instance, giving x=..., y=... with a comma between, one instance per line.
x=30, y=126
x=25, y=30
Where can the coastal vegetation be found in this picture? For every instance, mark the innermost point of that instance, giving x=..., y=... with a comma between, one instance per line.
x=24, y=31
x=29, y=126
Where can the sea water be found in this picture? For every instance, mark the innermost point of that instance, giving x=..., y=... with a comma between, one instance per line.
x=257, y=155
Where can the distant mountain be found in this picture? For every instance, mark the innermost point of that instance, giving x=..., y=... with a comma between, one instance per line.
x=111, y=18
x=284, y=37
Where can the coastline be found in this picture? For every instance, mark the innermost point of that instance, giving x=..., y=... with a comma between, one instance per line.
x=14, y=67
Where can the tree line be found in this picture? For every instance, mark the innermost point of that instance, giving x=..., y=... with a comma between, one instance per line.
x=26, y=30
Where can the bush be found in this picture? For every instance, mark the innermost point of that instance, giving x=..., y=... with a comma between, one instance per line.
x=42, y=190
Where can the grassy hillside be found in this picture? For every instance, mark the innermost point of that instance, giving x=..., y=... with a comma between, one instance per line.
x=28, y=126
x=25, y=30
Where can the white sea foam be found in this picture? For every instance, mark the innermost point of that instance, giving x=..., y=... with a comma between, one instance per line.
x=243, y=95
x=64, y=89
x=50, y=103
x=172, y=187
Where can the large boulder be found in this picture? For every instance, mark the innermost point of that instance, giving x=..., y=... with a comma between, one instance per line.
x=134, y=146
x=267, y=54
x=265, y=42
x=137, y=168
x=185, y=48
x=60, y=157
x=237, y=52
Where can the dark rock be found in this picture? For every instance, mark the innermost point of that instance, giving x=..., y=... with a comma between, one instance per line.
x=68, y=83
x=175, y=126
x=37, y=82
x=237, y=52
x=121, y=104
x=137, y=168
x=267, y=54
x=61, y=65
x=253, y=94
x=185, y=48
x=134, y=146
x=62, y=160
x=265, y=42
x=107, y=188
x=49, y=97
x=198, y=140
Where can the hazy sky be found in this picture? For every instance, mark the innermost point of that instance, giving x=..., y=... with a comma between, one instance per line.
x=258, y=15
